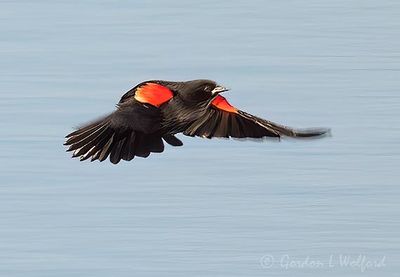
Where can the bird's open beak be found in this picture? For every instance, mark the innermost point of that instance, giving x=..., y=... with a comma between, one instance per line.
x=219, y=89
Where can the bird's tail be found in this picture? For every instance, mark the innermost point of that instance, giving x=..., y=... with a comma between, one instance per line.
x=100, y=139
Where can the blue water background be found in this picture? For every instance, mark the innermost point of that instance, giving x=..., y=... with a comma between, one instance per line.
x=211, y=207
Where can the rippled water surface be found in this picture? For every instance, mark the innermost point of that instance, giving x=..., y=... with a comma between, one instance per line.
x=209, y=208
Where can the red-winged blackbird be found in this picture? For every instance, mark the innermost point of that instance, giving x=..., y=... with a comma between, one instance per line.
x=156, y=110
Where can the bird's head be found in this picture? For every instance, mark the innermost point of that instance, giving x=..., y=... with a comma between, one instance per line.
x=200, y=90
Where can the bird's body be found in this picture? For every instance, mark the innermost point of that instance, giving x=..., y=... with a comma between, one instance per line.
x=156, y=110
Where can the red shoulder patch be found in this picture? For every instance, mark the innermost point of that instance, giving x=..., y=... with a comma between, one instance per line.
x=220, y=103
x=153, y=94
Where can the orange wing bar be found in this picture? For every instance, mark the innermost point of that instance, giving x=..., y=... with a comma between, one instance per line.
x=220, y=103
x=153, y=94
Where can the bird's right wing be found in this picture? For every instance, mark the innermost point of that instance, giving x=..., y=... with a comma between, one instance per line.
x=224, y=120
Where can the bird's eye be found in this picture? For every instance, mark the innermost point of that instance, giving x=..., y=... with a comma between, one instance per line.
x=207, y=88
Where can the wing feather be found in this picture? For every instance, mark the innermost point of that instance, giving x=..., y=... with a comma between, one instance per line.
x=132, y=130
x=223, y=120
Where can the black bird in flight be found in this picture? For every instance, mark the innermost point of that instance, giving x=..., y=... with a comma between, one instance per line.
x=156, y=110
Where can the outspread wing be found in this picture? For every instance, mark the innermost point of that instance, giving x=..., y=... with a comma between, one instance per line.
x=132, y=130
x=224, y=120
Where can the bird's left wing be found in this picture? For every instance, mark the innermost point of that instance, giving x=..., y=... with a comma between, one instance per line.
x=132, y=130
x=223, y=120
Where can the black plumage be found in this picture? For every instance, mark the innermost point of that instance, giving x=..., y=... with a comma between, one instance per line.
x=154, y=111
